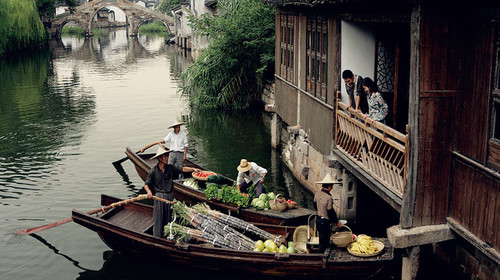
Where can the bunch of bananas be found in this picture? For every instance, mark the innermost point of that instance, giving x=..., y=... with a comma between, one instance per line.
x=363, y=244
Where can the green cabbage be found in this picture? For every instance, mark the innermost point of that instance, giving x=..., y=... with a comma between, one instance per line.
x=263, y=197
x=271, y=196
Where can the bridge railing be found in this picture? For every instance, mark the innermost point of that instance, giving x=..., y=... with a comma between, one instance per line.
x=376, y=148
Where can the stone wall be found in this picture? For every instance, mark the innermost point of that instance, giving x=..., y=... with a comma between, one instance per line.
x=309, y=166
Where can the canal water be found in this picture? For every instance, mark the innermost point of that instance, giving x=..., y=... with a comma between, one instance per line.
x=67, y=112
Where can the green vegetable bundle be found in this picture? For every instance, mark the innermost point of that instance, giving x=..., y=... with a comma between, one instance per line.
x=227, y=194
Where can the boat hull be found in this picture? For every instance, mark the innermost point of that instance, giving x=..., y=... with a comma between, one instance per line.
x=126, y=230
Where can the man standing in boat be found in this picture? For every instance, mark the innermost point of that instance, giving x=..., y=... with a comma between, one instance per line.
x=250, y=173
x=178, y=145
x=160, y=182
x=323, y=203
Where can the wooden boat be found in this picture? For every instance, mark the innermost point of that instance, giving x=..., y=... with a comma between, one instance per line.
x=127, y=229
x=296, y=216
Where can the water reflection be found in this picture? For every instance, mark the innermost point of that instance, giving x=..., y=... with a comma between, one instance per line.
x=219, y=140
x=96, y=49
x=39, y=114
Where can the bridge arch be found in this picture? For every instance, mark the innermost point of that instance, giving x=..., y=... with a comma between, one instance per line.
x=136, y=16
x=150, y=20
x=59, y=28
x=88, y=27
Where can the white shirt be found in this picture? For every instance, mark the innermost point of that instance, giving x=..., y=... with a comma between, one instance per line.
x=177, y=141
x=255, y=175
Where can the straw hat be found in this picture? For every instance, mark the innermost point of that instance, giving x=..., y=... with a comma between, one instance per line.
x=329, y=180
x=160, y=152
x=244, y=166
x=176, y=123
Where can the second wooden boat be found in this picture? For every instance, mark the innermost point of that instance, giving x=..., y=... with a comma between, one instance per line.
x=296, y=216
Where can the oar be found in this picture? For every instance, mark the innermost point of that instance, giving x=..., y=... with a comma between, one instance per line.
x=140, y=151
x=115, y=163
x=67, y=220
x=164, y=200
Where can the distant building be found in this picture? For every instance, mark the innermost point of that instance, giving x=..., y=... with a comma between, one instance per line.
x=150, y=4
x=185, y=36
x=105, y=15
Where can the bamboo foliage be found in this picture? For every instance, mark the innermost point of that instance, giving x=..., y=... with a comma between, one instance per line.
x=20, y=25
x=229, y=73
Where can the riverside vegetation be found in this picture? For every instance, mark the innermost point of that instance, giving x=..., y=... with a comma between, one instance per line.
x=155, y=26
x=20, y=25
x=230, y=72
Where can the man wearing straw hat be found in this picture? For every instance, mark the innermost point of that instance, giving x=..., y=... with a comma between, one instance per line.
x=250, y=173
x=160, y=181
x=323, y=203
x=178, y=145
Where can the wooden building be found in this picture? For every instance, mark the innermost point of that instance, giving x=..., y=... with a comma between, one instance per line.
x=437, y=160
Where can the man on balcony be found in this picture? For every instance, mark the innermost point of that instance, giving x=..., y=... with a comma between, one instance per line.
x=354, y=88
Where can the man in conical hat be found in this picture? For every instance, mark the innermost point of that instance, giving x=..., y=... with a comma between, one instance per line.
x=178, y=145
x=323, y=203
x=160, y=182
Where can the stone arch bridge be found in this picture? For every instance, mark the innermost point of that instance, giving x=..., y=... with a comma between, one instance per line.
x=136, y=16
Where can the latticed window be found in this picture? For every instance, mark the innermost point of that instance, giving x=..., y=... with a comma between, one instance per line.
x=316, y=56
x=287, y=23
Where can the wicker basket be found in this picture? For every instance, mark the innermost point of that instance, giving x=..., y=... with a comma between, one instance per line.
x=278, y=204
x=342, y=238
x=300, y=235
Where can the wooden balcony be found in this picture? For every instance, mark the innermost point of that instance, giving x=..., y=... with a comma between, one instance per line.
x=374, y=147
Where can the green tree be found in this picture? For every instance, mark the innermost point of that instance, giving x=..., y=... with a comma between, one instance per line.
x=167, y=5
x=20, y=26
x=229, y=74
x=47, y=8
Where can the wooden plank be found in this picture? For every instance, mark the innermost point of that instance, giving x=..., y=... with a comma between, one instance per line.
x=382, y=191
x=479, y=209
x=472, y=239
x=477, y=57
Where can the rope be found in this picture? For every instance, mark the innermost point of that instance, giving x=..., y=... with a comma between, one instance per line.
x=171, y=236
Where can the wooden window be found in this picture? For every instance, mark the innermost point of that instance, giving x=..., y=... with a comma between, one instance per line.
x=316, y=56
x=494, y=143
x=287, y=23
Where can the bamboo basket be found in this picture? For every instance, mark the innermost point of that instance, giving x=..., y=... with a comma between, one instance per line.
x=278, y=204
x=342, y=238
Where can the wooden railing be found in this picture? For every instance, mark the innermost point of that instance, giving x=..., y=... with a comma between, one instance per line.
x=378, y=149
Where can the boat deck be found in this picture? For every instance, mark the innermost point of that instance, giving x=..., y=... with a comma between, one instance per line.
x=131, y=218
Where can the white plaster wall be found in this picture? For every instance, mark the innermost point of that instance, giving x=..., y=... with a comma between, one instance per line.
x=357, y=52
x=61, y=10
x=119, y=14
x=199, y=42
